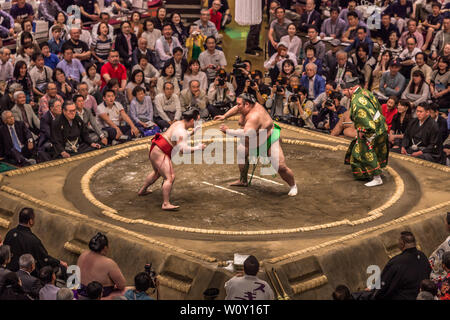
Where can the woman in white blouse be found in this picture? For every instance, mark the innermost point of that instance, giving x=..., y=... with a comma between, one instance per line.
x=294, y=42
x=193, y=73
x=168, y=75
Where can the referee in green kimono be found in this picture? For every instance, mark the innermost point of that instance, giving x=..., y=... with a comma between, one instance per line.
x=368, y=152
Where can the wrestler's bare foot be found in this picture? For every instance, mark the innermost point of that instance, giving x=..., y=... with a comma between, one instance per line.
x=143, y=192
x=239, y=183
x=169, y=207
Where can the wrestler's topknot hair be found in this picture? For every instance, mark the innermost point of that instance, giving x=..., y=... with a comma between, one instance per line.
x=190, y=114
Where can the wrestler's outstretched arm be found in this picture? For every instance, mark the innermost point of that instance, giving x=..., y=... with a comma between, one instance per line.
x=233, y=111
x=249, y=129
x=181, y=137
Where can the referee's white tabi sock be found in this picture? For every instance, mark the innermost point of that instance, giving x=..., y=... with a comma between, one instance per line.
x=375, y=182
x=293, y=192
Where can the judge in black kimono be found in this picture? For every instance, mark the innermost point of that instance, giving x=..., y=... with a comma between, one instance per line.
x=70, y=136
x=421, y=139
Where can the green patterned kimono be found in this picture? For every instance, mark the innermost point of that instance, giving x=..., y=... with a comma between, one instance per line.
x=367, y=155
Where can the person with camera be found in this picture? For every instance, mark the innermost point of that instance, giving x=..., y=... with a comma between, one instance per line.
x=241, y=72
x=142, y=283
x=278, y=99
x=220, y=95
x=332, y=111
x=195, y=98
x=274, y=64
x=299, y=108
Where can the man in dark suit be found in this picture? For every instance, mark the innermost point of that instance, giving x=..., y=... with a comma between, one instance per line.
x=337, y=74
x=181, y=64
x=122, y=44
x=16, y=141
x=30, y=284
x=5, y=258
x=310, y=17
x=45, y=133
x=141, y=49
x=22, y=240
x=70, y=135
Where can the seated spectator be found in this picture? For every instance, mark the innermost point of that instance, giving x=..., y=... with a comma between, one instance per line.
x=7, y=100
x=64, y=87
x=30, y=284
x=70, y=136
x=101, y=45
x=401, y=277
x=310, y=17
x=48, y=9
x=428, y=290
x=93, y=82
x=90, y=10
x=418, y=90
x=351, y=7
x=104, y=18
x=220, y=95
x=64, y=294
x=310, y=53
x=168, y=75
x=142, y=282
x=381, y=67
x=40, y=75
x=412, y=32
x=6, y=66
x=113, y=69
x=142, y=50
x=160, y=18
x=389, y=110
x=440, y=121
x=408, y=57
x=24, y=112
x=312, y=82
x=89, y=120
x=400, y=122
x=224, y=10
x=25, y=53
x=56, y=41
x=294, y=42
x=300, y=108
x=391, y=82
x=288, y=69
x=278, y=29
x=125, y=43
x=12, y=288
x=248, y=286
x=151, y=74
x=364, y=64
x=180, y=64
x=94, y=290
x=275, y=63
x=432, y=24
x=421, y=138
x=195, y=98
x=136, y=80
x=212, y=59
x=45, y=134
x=121, y=96
x=26, y=36
x=195, y=43
x=151, y=34
x=51, y=93
x=60, y=22
x=72, y=67
x=81, y=50
x=392, y=45
x=179, y=30
x=114, y=120
x=386, y=28
x=278, y=99
x=215, y=14
x=400, y=11
x=21, y=11
x=342, y=293
x=330, y=86
x=48, y=279
x=51, y=60
x=141, y=110
x=440, y=83
x=421, y=65
x=5, y=259
x=193, y=73
x=168, y=107
x=314, y=40
x=260, y=90
x=350, y=32
x=164, y=45
x=441, y=38
x=6, y=25
x=16, y=140
x=342, y=67
x=361, y=37
x=96, y=266
x=333, y=26
x=22, y=240
x=206, y=26
x=22, y=77
x=438, y=273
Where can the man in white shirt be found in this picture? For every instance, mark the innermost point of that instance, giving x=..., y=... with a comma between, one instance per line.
x=164, y=46
x=168, y=107
x=248, y=286
x=211, y=59
x=6, y=67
